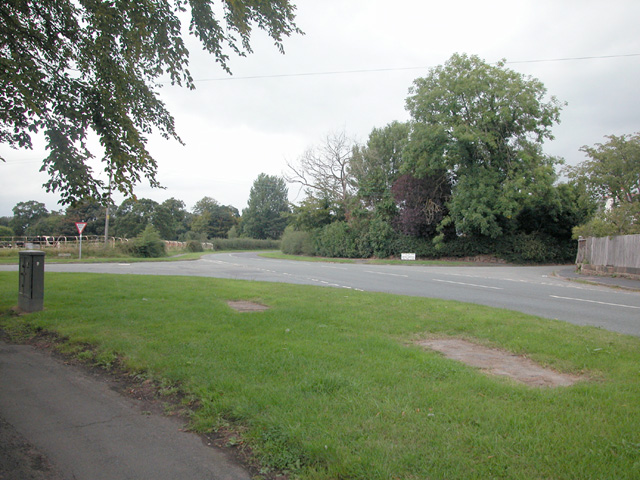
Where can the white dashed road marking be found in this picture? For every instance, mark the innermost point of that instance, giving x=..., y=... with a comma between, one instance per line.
x=594, y=301
x=467, y=284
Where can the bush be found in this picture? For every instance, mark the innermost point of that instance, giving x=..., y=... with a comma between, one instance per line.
x=381, y=238
x=364, y=239
x=297, y=243
x=194, y=246
x=146, y=245
x=337, y=240
x=518, y=248
x=620, y=220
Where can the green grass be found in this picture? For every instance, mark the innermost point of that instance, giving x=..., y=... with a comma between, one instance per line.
x=328, y=383
x=11, y=256
x=374, y=261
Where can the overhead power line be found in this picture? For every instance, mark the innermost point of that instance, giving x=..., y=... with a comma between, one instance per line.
x=570, y=59
x=397, y=69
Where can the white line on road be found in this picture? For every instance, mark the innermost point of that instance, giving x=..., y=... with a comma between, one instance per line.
x=389, y=274
x=467, y=284
x=594, y=301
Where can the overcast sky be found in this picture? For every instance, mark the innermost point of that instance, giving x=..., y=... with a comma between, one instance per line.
x=352, y=70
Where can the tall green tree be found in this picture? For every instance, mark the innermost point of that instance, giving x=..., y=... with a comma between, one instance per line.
x=484, y=124
x=54, y=224
x=212, y=219
x=26, y=214
x=171, y=219
x=314, y=213
x=377, y=165
x=133, y=215
x=266, y=213
x=88, y=210
x=611, y=175
x=71, y=67
x=612, y=170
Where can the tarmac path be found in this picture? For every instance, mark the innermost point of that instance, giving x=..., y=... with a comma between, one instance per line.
x=78, y=428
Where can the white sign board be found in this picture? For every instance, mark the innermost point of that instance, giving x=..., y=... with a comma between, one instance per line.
x=80, y=226
x=407, y=256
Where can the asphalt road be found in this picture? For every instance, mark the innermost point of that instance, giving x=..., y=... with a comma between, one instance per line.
x=533, y=290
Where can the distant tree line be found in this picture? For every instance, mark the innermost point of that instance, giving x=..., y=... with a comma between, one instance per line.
x=264, y=218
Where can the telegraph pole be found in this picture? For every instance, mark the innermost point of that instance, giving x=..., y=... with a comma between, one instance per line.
x=106, y=218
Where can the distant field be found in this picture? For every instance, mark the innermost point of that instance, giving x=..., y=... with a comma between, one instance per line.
x=330, y=384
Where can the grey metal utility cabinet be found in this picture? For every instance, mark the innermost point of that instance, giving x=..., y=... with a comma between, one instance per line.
x=31, y=278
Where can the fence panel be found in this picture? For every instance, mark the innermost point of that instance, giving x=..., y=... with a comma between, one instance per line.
x=619, y=252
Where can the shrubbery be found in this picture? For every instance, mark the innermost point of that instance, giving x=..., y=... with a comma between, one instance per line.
x=297, y=243
x=375, y=239
x=146, y=245
x=337, y=240
x=194, y=246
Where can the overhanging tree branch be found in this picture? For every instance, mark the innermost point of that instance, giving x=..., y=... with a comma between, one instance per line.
x=70, y=67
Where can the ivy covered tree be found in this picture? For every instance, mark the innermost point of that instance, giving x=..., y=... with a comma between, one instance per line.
x=69, y=68
x=485, y=125
x=421, y=204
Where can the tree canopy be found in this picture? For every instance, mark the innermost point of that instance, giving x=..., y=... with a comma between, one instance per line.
x=485, y=125
x=376, y=165
x=213, y=220
x=68, y=68
x=26, y=214
x=612, y=169
x=266, y=214
x=611, y=176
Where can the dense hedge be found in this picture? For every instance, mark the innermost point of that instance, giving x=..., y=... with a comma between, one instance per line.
x=297, y=242
x=374, y=239
x=242, y=243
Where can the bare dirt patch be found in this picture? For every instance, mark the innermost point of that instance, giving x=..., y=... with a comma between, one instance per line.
x=245, y=306
x=500, y=362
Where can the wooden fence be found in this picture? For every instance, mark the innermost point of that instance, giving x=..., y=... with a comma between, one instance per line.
x=610, y=255
x=53, y=241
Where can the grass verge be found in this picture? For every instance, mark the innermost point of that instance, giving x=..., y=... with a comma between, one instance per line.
x=373, y=261
x=11, y=257
x=328, y=384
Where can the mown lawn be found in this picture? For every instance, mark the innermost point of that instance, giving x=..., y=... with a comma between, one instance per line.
x=328, y=383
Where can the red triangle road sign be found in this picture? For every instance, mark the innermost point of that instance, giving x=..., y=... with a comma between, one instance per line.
x=80, y=226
